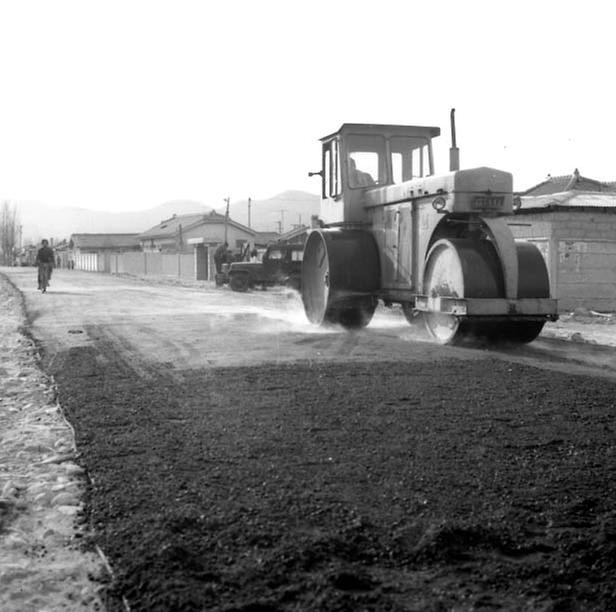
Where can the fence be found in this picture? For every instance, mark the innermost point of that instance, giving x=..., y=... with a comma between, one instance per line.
x=178, y=265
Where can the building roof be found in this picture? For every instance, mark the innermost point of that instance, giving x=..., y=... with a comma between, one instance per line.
x=570, y=182
x=104, y=241
x=294, y=233
x=569, y=199
x=169, y=228
x=265, y=238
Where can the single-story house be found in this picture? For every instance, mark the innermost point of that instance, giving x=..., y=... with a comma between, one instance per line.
x=572, y=220
x=198, y=234
x=92, y=252
x=178, y=233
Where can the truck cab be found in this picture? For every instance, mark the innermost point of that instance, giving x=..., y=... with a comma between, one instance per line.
x=281, y=265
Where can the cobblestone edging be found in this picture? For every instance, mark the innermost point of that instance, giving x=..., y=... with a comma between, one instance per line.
x=41, y=564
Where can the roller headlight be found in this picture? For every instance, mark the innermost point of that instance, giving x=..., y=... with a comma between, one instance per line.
x=439, y=203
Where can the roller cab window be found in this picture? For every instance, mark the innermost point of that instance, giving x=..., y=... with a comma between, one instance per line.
x=332, y=183
x=410, y=158
x=365, y=161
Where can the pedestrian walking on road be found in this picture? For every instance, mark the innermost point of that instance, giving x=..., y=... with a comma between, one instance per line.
x=45, y=259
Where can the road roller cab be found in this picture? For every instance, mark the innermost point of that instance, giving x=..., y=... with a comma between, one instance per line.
x=361, y=158
x=439, y=245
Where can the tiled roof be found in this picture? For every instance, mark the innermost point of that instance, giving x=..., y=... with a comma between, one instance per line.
x=170, y=227
x=570, y=199
x=574, y=181
x=105, y=241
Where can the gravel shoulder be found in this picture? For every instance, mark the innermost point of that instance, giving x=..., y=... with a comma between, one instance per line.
x=42, y=564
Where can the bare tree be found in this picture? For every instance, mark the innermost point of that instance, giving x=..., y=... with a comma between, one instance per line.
x=9, y=233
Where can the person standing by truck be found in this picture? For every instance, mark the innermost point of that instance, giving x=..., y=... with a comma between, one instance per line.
x=44, y=260
x=220, y=256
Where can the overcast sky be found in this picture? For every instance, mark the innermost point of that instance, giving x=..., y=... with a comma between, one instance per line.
x=123, y=105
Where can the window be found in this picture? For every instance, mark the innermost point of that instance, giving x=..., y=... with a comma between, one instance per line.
x=331, y=170
x=297, y=255
x=396, y=167
x=366, y=160
x=335, y=171
x=364, y=166
x=410, y=158
x=275, y=254
x=327, y=162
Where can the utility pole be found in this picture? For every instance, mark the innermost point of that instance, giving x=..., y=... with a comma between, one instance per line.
x=281, y=224
x=249, y=202
x=227, y=200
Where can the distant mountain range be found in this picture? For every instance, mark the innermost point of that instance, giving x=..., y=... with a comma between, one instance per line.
x=282, y=211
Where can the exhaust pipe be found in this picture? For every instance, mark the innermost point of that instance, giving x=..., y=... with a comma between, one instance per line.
x=454, y=152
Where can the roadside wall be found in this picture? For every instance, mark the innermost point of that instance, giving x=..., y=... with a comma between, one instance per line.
x=178, y=265
x=579, y=246
x=87, y=261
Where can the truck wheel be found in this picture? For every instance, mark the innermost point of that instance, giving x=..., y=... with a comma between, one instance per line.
x=239, y=282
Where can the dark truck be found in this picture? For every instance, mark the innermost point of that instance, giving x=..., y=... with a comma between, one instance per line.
x=281, y=265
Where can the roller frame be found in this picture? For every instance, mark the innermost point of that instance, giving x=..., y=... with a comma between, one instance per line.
x=470, y=307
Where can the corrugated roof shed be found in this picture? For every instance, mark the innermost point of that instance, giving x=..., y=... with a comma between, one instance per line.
x=105, y=241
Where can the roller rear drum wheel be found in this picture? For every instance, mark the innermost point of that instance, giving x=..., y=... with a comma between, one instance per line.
x=357, y=313
x=340, y=275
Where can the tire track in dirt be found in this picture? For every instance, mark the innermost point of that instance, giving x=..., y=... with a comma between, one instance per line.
x=112, y=344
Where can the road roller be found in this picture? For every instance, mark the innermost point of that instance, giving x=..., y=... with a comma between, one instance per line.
x=390, y=229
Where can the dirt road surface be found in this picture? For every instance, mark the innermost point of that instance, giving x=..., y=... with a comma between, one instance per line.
x=239, y=459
